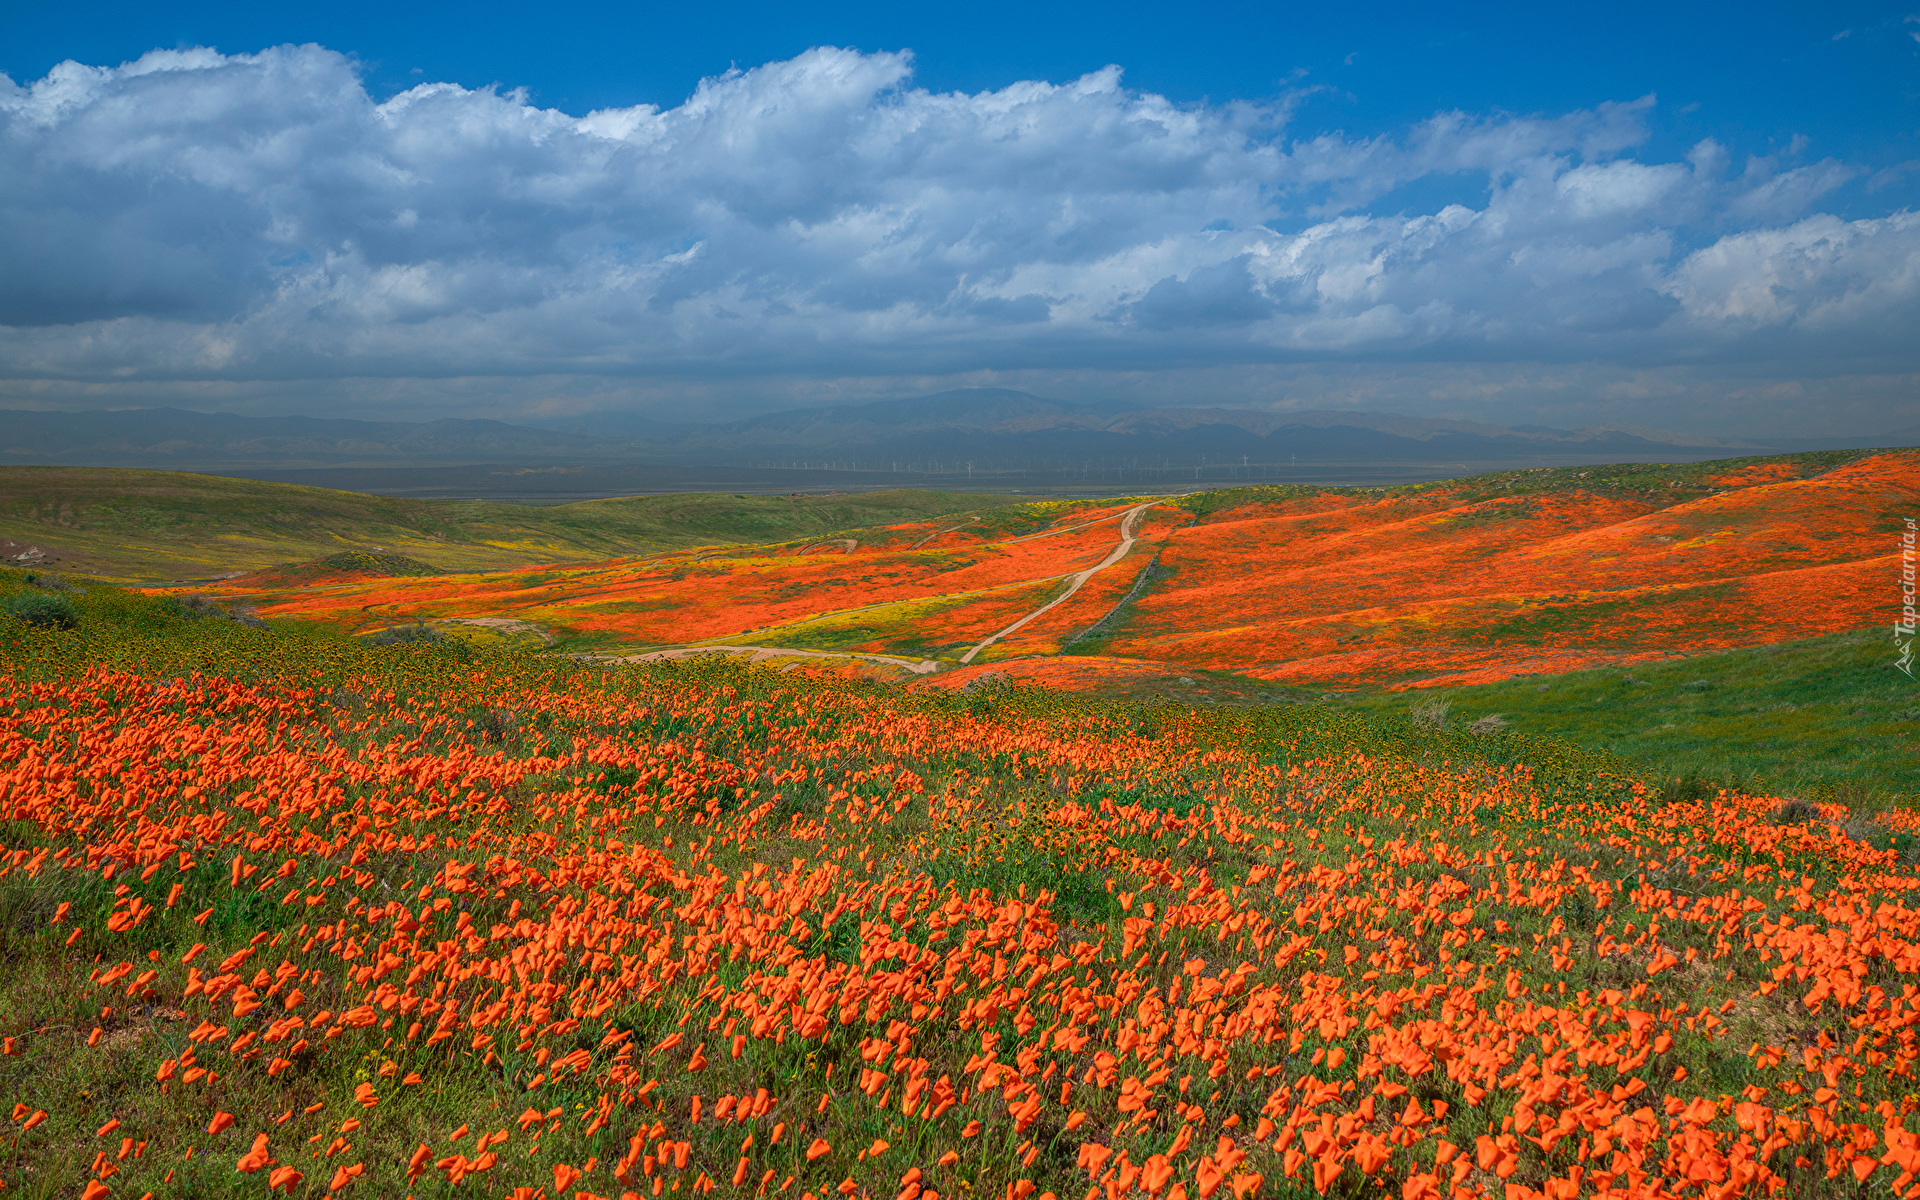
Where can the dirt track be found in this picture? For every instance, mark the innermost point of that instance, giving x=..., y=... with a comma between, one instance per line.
x=1119, y=552
x=1129, y=521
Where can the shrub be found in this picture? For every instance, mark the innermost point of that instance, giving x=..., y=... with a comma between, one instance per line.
x=496, y=724
x=1692, y=789
x=1491, y=723
x=1431, y=713
x=401, y=635
x=42, y=610
x=1795, y=812
x=247, y=617
x=206, y=608
x=194, y=607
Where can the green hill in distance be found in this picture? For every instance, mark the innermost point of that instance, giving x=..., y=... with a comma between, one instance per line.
x=137, y=525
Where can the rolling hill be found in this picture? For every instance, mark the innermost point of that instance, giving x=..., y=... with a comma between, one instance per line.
x=1482, y=588
x=1471, y=580
x=155, y=525
x=1528, y=571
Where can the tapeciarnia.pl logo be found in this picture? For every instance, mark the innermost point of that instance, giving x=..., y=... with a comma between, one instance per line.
x=1903, y=625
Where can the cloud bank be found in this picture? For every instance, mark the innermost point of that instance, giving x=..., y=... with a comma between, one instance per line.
x=255, y=221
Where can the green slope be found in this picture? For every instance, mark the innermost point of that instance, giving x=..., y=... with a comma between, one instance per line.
x=1827, y=716
x=174, y=525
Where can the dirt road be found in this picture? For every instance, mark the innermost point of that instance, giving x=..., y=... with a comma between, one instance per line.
x=1075, y=581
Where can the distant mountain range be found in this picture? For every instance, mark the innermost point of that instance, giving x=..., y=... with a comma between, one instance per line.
x=176, y=437
x=988, y=429
x=1001, y=429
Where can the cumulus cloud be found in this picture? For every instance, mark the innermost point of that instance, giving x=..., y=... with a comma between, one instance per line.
x=200, y=217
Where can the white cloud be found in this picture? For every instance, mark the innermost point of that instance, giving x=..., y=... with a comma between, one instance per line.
x=199, y=217
x=1854, y=281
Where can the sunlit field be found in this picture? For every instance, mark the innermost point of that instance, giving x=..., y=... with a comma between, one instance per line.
x=1457, y=583
x=288, y=912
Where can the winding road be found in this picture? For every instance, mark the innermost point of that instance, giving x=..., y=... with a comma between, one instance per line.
x=1129, y=521
x=1119, y=552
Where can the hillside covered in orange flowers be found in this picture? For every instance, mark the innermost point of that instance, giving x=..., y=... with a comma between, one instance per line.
x=1493, y=577
x=1463, y=581
x=290, y=914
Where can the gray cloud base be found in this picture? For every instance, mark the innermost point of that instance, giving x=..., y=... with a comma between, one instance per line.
x=260, y=220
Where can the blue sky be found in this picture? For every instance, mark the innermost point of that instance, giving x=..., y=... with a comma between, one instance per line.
x=1842, y=75
x=1676, y=214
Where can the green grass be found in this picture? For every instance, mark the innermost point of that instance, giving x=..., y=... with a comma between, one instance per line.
x=1826, y=718
x=166, y=525
x=1017, y=520
x=347, y=562
x=1098, y=637
x=1823, y=717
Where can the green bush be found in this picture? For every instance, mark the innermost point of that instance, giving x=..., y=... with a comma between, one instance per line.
x=406, y=635
x=45, y=610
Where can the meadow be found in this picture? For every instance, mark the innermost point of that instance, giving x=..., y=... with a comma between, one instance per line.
x=1828, y=717
x=288, y=912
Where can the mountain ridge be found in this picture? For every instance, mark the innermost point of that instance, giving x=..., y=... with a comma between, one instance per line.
x=991, y=426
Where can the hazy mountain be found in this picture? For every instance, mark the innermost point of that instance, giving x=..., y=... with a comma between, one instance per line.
x=982, y=429
x=608, y=424
x=998, y=426
x=163, y=437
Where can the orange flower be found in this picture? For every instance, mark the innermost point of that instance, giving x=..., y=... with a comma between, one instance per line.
x=514, y=867
x=255, y=1158
x=1155, y=1174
